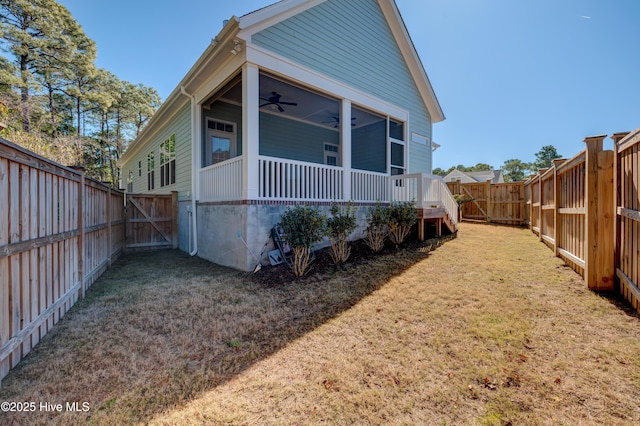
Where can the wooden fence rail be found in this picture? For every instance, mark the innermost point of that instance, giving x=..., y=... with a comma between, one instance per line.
x=59, y=232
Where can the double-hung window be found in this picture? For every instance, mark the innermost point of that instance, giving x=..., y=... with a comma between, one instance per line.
x=168, y=161
x=130, y=181
x=397, y=147
x=151, y=164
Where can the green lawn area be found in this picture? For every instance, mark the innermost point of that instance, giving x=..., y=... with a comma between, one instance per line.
x=489, y=328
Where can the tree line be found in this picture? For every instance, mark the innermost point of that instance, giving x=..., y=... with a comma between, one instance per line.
x=513, y=170
x=55, y=101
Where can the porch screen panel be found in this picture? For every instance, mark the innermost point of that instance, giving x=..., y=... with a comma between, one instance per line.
x=369, y=141
x=284, y=138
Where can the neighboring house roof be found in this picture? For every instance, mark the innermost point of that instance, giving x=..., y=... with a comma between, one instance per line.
x=238, y=30
x=495, y=176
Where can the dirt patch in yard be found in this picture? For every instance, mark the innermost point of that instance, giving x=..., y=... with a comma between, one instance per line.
x=490, y=328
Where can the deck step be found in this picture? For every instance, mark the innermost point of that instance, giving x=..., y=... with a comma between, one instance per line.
x=435, y=214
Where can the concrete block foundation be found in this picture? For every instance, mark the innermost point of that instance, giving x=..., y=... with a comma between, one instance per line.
x=222, y=227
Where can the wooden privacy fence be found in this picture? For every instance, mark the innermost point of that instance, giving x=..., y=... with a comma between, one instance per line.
x=492, y=202
x=571, y=211
x=587, y=209
x=627, y=214
x=59, y=231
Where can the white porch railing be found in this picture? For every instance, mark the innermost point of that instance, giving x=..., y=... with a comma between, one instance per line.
x=222, y=181
x=427, y=191
x=369, y=186
x=281, y=179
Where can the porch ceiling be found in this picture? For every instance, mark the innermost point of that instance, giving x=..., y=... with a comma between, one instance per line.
x=311, y=107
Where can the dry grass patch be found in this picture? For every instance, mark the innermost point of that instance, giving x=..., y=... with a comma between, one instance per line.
x=160, y=328
x=488, y=329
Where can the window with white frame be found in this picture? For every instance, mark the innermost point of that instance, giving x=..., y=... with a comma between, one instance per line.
x=221, y=142
x=168, y=161
x=331, y=154
x=130, y=181
x=397, y=147
x=151, y=164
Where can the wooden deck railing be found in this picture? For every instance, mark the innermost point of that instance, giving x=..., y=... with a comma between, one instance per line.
x=222, y=181
x=369, y=186
x=427, y=191
x=289, y=180
x=282, y=179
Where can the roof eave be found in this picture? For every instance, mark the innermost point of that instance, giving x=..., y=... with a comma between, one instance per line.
x=414, y=62
x=176, y=99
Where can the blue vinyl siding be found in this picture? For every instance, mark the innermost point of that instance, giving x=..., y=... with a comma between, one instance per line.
x=294, y=140
x=419, y=158
x=350, y=41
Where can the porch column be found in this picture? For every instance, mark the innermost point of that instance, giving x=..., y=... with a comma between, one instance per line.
x=250, y=131
x=345, y=142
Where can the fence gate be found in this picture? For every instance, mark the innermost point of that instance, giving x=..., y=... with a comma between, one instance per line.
x=492, y=202
x=151, y=221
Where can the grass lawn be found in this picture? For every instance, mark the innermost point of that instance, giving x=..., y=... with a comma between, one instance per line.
x=489, y=328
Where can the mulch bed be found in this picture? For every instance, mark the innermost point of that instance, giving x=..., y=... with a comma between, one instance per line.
x=272, y=276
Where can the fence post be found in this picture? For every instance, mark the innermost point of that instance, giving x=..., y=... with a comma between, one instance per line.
x=557, y=204
x=598, y=271
x=81, y=209
x=541, y=203
x=174, y=218
x=109, y=230
x=488, y=191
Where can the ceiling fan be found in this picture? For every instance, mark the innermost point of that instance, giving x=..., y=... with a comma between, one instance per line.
x=274, y=99
x=336, y=121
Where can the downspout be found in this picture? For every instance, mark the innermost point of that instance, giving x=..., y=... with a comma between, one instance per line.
x=193, y=223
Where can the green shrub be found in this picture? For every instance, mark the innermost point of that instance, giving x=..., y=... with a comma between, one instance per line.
x=402, y=216
x=339, y=226
x=462, y=199
x=304, y=227
x=377, y=228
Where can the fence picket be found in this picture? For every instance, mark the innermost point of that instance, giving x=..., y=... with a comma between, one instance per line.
x=41, y=246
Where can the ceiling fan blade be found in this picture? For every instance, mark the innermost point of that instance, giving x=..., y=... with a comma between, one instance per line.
x=289, y=103
x=264, y=105
x=280, y=108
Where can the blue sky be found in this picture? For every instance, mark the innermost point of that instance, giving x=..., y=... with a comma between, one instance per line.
x=511, y=75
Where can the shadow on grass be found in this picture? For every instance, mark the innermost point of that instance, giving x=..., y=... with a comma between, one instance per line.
x=161, y=328
x=617, y=300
